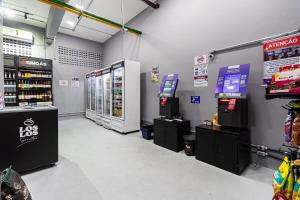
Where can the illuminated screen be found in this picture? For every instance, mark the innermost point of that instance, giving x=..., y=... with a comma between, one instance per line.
x=232, y=83
x=168, y=88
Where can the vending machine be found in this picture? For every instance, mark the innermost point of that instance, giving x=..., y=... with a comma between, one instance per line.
x=125, y=106
x=106, y=80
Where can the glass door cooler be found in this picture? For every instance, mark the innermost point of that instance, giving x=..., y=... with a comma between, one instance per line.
x=91, y=96
x=117, y=89
x=10, y=81
x=106, y=76
x=88, y=99
x=125, y=96
x=99, y=97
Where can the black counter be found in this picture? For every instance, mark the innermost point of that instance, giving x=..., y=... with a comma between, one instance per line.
x=169, y=133
x=223, y=147
x=29, y=138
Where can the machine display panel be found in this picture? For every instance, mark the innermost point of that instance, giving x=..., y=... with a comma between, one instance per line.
x=233, y=81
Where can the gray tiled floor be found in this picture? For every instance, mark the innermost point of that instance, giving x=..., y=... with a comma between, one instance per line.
x=96, y=163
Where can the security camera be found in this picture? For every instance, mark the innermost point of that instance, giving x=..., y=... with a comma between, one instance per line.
x=211, y=56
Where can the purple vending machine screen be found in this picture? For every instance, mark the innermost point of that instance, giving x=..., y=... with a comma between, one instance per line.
x=233, y=81
x=168, y=85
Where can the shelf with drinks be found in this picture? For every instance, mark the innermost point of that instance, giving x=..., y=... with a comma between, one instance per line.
x=10, y=98
x=117, y=112
x=35, y=85
x=34, y=75
x=9, y=74
x=34, y=96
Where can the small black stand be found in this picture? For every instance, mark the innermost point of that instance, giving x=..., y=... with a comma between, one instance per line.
x=169, y=133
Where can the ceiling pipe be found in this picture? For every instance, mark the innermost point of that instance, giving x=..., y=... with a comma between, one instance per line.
x=54, y=20
x=64, y=6
x=150, y=3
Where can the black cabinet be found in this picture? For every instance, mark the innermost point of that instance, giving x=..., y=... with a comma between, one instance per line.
x=30, y=139
x=168, y=133
x=222, y=147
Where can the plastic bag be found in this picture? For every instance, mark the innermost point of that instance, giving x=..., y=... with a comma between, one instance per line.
x=289, y=184
x=296, y=131
x=288, y=126
x=12, y=187
x=281, y=175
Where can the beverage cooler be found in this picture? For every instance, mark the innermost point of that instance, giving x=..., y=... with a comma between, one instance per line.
x=125, y=117
x=10, y=81
x=117, y=96
x=99, y=97
x=27, y=81
x=91, y=96
x=106, y=117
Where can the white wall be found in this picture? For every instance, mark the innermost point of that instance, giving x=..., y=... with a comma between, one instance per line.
x=180, y=29
x=71, y=100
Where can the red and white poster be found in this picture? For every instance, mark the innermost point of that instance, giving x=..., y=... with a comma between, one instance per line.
x=279, y=54
x=200, y=71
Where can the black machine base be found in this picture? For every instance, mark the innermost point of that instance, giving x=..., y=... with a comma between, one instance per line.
x=169, y=133
x=223, y=147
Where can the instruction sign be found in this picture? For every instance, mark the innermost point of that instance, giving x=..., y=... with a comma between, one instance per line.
x=195, y=99
x=200, y=71
x=280, y=53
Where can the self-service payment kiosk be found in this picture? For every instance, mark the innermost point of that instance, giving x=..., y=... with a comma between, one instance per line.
x=231, y=92
x=226, y=146
x=168, y=103
x=170, y=128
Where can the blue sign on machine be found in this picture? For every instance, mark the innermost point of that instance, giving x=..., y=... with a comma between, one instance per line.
x=195, y=99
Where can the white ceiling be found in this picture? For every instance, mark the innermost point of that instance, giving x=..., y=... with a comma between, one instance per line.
x=86, y=28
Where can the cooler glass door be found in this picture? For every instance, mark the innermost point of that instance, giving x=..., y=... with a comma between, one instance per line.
x=117, y=98
x=99, y=89
x=107, y=93
x=88, y=94
x=93, y=93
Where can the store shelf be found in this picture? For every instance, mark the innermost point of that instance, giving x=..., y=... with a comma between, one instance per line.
x=34, y=100
x=34, y=89
x=36, y=79
x=10, y=79
x=282, y=96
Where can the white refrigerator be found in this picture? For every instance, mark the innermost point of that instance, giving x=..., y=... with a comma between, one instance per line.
x=125, y=98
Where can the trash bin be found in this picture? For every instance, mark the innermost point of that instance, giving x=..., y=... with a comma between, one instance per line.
x=189, y=144
x=147, y=131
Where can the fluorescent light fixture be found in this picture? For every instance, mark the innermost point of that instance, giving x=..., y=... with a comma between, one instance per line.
x=9, y=12
x=79, y=6
x=71, y=23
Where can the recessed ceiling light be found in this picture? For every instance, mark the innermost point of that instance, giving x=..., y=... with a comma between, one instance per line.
x=9, y=12
x=71, y=23
x=79, y=6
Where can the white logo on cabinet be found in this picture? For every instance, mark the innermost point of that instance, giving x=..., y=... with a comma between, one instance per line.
x=29, y=132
